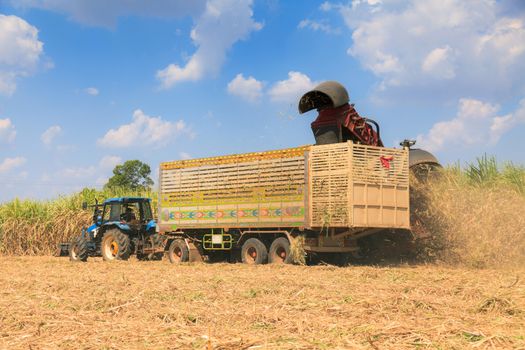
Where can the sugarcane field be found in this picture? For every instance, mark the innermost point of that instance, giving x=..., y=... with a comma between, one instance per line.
x=372, y=198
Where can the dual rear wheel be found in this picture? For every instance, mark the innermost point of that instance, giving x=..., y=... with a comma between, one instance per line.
x=254, y=252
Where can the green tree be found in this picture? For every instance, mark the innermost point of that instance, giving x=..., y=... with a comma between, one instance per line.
x=132, y=175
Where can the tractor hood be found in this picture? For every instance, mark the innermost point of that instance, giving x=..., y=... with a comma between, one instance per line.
x=329, y=94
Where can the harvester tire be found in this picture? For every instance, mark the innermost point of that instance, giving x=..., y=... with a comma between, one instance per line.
x=280, y=251
x=79, y=250
x=178, y=251
x=254, y=252
x=115, y=245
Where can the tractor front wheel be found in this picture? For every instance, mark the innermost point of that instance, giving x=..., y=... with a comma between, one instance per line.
x=178, y=251
x=115, y=245
x=78, y=250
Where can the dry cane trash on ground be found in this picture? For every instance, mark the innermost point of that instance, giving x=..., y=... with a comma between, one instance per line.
x=50, y=303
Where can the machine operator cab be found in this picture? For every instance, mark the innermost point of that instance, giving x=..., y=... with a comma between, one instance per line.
x=129, y=210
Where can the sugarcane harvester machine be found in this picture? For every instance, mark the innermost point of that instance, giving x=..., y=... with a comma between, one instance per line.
x=253, y=206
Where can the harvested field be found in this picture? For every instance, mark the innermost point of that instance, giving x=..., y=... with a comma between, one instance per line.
x=48, y=303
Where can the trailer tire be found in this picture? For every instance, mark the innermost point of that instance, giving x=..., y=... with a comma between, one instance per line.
x=254, y=252
x=115, y=245
x=78, y=250
x=178, y=251
x=280, y=251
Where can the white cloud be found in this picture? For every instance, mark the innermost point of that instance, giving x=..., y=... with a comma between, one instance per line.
x=49, y=135
x=450, y=47
x=91, y=91
x=184, y=155
x=9, y=164
x=144, y=130
x=476, y=123
x=438, y=63
x=219, y=24
x=326, y=6
x=322, y=26
x=86, y=176
x=105, y=13
x=247, y=88
x=78, y=173
x=20, y=51
x=292, y=89
x=110, y=162
x=223, y=23
x=7, y=131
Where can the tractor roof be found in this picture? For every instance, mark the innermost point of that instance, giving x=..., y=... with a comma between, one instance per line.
x=127, y=200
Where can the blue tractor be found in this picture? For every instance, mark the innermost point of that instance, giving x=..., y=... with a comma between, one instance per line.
x=121, y=227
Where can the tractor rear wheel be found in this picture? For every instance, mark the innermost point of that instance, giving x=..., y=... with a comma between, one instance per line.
x=280, y=251
x=178, y=251
x=78, y=250
x=254, y=252
x=115, y=245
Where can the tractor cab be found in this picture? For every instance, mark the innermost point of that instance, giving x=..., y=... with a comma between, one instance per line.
x=131, y=211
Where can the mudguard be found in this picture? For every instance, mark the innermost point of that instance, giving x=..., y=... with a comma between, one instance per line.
x=120, y=225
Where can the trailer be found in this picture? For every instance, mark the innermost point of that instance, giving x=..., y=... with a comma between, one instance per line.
x=254, y=206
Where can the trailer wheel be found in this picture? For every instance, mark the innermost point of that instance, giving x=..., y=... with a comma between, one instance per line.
x=78, y=250
x=178, y=252
x=254, y=252
x=280, y=251
x=115, y=246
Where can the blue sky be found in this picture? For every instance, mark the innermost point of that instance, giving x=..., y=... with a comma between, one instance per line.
x=88, y=84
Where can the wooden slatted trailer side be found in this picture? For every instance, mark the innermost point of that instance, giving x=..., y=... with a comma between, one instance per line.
x=328, y=194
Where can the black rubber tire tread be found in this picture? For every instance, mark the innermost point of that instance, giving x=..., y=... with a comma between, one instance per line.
x=79, y=250
x=280, y=242
x=123, y=241
x=260, y=248
x=185, y=252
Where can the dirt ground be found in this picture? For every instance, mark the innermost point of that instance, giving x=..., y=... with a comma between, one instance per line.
x=49, y=303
